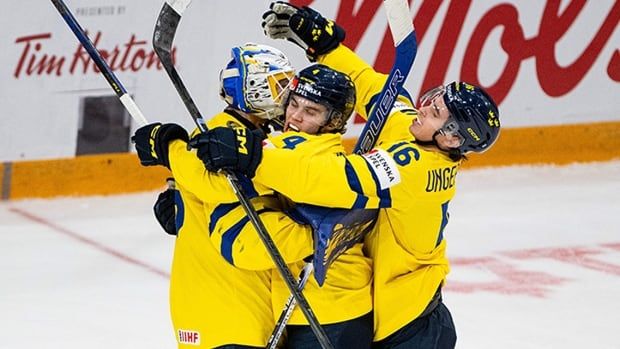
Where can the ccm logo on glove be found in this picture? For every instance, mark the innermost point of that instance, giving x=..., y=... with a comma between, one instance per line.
x=242, y=139
x=234, y=149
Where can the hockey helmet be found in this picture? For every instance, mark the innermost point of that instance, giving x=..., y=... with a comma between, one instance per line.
x=474, y=116
x=328, y=87
x=255, y=80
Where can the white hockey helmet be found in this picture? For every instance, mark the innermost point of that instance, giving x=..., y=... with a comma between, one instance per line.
x=256, y=80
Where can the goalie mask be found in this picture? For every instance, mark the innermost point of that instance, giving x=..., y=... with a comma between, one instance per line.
x=256, y=79
x=330, y=88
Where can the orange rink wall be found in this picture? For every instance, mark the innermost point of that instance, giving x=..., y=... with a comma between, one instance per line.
x=121, y=173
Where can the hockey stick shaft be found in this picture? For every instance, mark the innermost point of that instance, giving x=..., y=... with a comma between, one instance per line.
x=163, y=36
x=403, y=33
x=116, y=85
x=289, y=306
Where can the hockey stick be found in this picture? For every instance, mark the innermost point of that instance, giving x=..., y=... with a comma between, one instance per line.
x=329, y=246
x=163, y=36
x=128, y=102
x=403, y=34
x=289, y=306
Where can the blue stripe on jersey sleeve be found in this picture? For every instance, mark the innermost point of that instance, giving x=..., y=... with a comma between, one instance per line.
x=385, y=198
x=355, y=185
x=230, y=235
x=180, y=214
x=444, y=221
x=219, y=212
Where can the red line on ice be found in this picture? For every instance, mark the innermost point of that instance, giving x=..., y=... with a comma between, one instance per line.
x=103, y=248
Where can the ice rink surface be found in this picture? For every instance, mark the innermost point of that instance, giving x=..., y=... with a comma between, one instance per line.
x=535, y=255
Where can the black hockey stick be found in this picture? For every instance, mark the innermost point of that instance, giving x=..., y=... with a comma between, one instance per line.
x=163, y=36
x=289, y=306
x=121, y=92
x=330, y=245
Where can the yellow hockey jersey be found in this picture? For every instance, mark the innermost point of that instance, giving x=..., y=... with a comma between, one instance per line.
x=346, y=293
x=412, y=185
x=347, y=290
x=212, y=303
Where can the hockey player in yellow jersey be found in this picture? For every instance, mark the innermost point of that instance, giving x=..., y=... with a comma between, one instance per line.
x=410, y=174
x=212, y=303
x=344, y=303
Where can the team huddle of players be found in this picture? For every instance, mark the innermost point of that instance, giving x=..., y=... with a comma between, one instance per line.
x=383, y=292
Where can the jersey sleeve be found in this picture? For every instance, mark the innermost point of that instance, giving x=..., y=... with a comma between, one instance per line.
x=368, y=86
x=190, y=172
x=235, y=237
x=367, y=81
x=328, y=179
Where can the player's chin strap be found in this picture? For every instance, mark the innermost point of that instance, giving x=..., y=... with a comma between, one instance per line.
x=453, y=153
x=331, y=125
x=431, y=143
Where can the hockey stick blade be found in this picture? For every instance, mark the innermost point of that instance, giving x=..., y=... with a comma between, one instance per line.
x=128, y=102
x=163, y=36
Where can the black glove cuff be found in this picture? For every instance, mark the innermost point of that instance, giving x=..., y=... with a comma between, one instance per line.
x=257, y=153
x=305, y=24
x=165, y=211
x=167, y=134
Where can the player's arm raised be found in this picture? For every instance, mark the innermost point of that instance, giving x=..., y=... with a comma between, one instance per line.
x=300, y=25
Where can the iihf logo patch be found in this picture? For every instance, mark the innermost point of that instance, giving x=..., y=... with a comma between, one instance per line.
x=188, y=337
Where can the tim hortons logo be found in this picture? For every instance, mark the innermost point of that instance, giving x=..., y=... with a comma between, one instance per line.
x=555, y=79
x=134, y=55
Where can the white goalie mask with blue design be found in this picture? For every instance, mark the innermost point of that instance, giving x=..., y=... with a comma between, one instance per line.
x=256, y=80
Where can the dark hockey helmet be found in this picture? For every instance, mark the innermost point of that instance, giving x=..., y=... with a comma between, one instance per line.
x=331, y=88
x=476, y=114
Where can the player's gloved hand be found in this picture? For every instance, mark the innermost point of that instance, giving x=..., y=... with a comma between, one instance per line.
x=303, y=26
x=151, y=142
x=164, y=209
x=235, y=149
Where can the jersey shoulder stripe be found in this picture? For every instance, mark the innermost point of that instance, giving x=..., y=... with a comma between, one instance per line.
x=231, y=234
x=385, y=199
x=355, y=185
x=220, y=211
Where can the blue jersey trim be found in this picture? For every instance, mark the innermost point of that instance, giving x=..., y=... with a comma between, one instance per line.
x=384, y=195
x=180, y=213
x=230, y=235
x=355, y=185
x=219, y=212
x=444, y=221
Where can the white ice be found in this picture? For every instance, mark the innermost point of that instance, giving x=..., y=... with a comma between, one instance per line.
x=535, y=257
